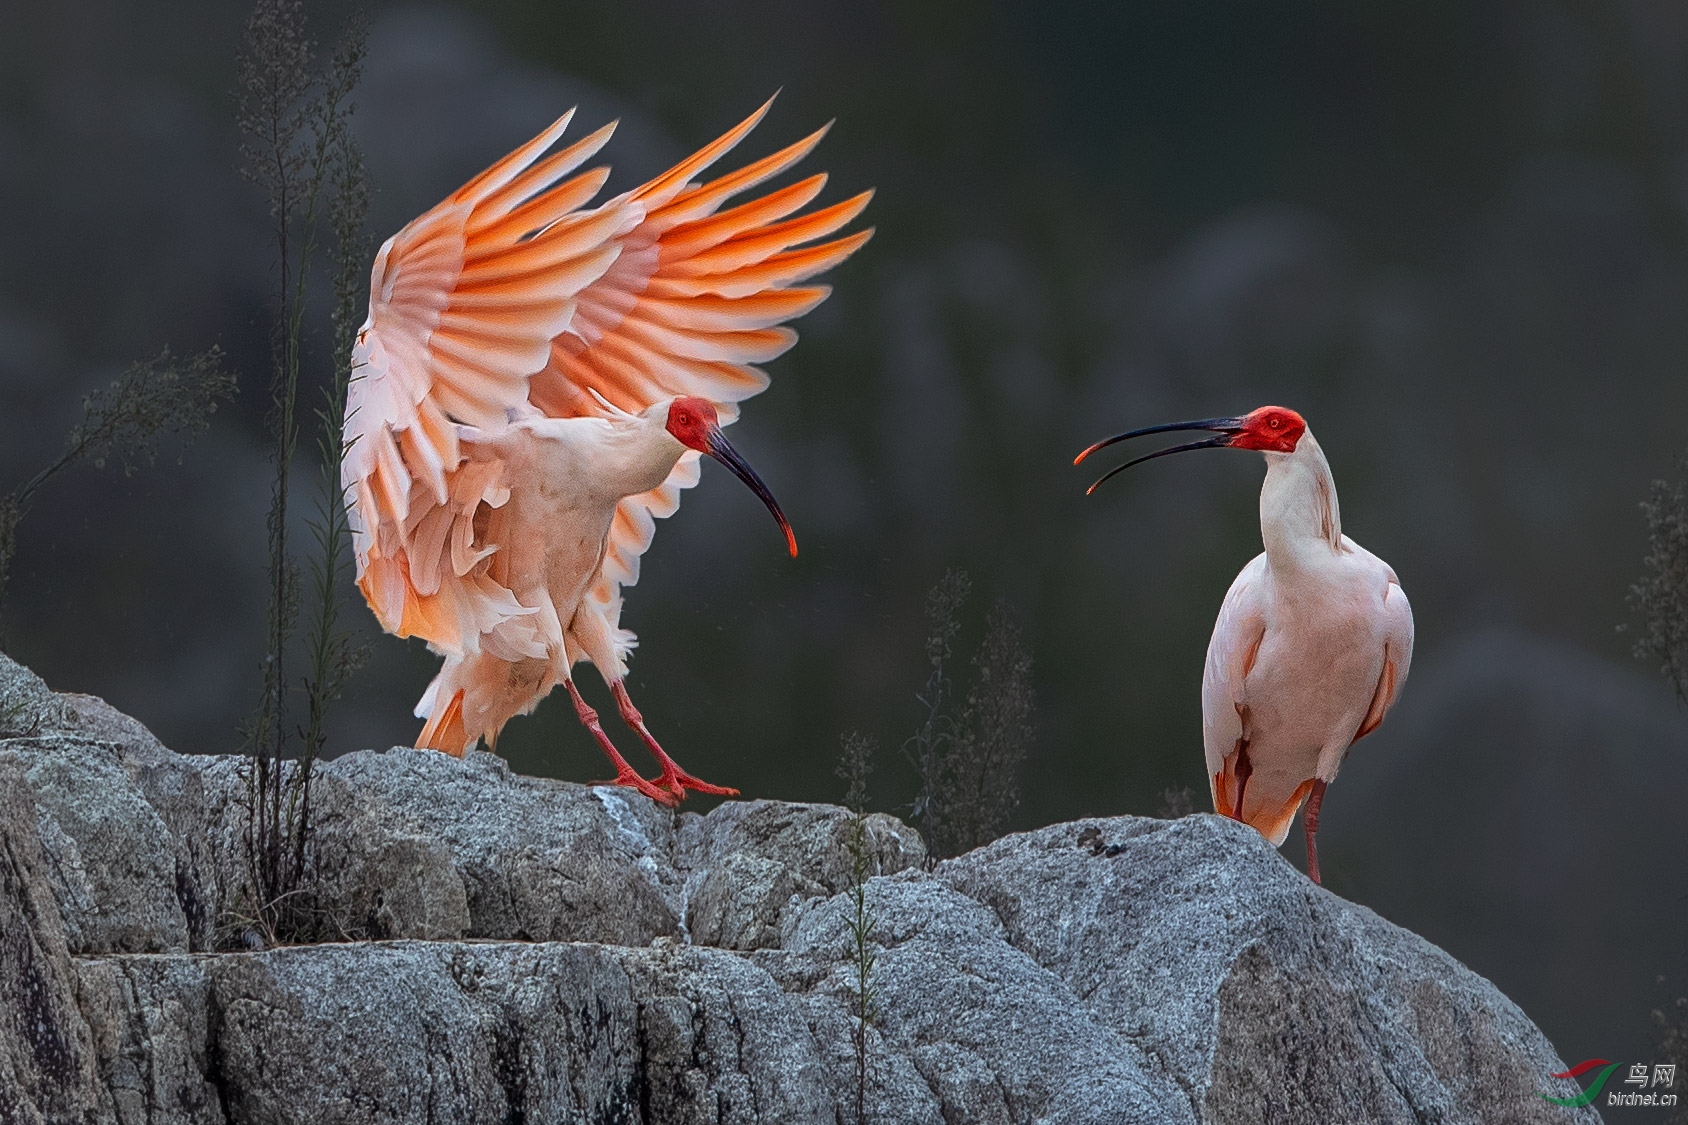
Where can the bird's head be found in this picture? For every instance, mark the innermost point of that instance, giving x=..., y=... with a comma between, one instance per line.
x=1271, y=429
x=694, y=423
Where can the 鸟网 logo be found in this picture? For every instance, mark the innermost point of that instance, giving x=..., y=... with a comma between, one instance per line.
x=1593, y=1090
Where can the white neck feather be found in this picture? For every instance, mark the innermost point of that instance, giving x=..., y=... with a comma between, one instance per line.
x=637, y=454
x=1300, y=521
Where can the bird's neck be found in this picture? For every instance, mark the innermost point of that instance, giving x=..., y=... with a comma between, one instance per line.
x=636, y=455
x=1300, y=522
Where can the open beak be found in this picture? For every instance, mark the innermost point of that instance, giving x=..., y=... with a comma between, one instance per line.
x=722, y=450
x=1225, y=431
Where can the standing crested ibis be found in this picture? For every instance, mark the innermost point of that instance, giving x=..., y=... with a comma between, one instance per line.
x=1312, y=645
x=535, y=385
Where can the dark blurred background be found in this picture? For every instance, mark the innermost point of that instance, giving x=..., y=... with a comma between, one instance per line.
x=1453, y=235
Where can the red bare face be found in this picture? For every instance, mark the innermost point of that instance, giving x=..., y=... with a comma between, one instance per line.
x=1272, y=428
x=694, y=424
x=691, y=420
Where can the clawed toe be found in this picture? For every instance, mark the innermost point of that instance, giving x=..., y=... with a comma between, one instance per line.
x=679, y=781
x=666, y=797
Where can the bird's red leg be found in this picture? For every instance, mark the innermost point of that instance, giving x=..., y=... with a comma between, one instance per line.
x=624, y=774
x=1310, y=822
x=676, y=779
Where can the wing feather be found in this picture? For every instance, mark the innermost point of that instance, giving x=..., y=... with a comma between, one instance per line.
x=687, y=239
x=513, y=294
x=1230, y=654
x=697, y=299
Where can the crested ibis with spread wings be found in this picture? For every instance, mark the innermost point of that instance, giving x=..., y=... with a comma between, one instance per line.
x=536, y=384
x=1313, y=640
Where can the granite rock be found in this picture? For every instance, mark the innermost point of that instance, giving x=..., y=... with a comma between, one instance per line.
x=515, y=949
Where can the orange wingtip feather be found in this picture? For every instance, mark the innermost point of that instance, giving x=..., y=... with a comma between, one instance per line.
x=816, y=224
x=759, y=246
x=701, y=201
x=502, y=171
x=710, y=313
x=690, y=237
x=541, y=177
x=778, y=270
x=579, y=235
x=677, y=176
x=532, y=217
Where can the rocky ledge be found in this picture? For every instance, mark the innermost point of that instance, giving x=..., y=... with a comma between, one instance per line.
x=520, y=950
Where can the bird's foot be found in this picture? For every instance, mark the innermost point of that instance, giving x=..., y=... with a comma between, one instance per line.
x=624, y=773
x=676, y=780
x=660, y=793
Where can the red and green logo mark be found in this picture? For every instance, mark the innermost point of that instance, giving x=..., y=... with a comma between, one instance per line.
x=1578, y=1071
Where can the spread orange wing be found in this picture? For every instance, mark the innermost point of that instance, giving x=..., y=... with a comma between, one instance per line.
x=697, y=298
x=509, y=296
x=464, y=303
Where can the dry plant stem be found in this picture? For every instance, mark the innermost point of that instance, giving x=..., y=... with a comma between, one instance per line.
x=334, y=652
x=927, y=748
x=1672, y=1027
x=861, y=936
x=855, y=764
x=298, y=149
x=161, y=396
x=1661, y=596
x=992, y=735
x=969, y=763
x=274, y=81
x=1176, y=801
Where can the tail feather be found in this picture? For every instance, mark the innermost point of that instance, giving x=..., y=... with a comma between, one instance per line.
x=1273, y=820
x=1270, y=816
x=444, y=729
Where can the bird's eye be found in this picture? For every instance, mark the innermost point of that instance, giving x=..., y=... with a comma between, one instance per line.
x=1273, y=422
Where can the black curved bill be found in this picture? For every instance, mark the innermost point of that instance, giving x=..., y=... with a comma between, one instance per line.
x=1224, y=428
x=722, y=450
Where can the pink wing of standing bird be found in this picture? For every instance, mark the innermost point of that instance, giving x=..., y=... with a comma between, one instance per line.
x=1312, y=645
x=535, y=386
